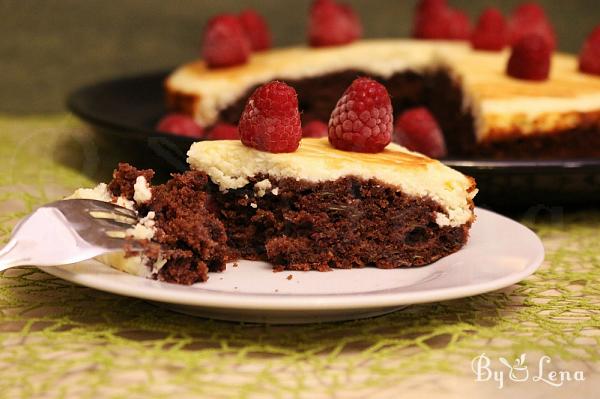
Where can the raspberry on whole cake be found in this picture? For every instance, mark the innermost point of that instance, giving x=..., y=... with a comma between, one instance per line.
x=491, y=32
x=225, y=42
x=417, y=130
x=530, y=58
x=332, y=24
x=181, y=125
x=589, y=57
x=256, y=29
x=223, y=131
x=314, y=129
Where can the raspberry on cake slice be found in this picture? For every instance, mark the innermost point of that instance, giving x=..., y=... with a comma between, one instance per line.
x=362, y=118
x=271, y=119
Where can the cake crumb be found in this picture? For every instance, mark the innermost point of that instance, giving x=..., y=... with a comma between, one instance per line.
x=290, y=277
x=235, y=264
x=262, y=186
x=142, y=193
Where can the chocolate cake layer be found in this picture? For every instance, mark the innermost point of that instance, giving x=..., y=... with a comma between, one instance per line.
x=583, y=141
x=350, y=222
x=293, y=224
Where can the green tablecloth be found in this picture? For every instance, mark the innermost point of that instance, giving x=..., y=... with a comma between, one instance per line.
x=61, y=340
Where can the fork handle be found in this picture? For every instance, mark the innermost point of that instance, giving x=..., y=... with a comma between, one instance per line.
x=10, y=256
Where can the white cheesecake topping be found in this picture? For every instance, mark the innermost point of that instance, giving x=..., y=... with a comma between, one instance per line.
x=230, y=164
x=142, y=192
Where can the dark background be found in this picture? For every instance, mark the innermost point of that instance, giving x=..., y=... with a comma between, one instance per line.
x=49, y=47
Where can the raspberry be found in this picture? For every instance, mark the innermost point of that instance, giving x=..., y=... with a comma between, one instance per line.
x=428, y=6
x=530, y=18
x=332, y=24
x=362, y=119
x=225, y=42
x=314, y=129
x=529, y=11
x=271, y=120
x=427, y=20
x=417, y=130
x=459, y=26
x=589, y=57
x=181, y=125
x=490, y=32
x=223, y=131
x=256, y=29
x=530, y=58
x=435, y=20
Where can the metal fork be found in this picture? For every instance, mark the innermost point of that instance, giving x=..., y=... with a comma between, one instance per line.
x=66, y=232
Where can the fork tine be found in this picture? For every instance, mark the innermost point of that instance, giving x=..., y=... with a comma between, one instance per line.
x=102, y=215
x=91, y=205
x=112, y=224
x=106, y=206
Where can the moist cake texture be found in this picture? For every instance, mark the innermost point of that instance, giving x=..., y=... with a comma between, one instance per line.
x=183, y=241
x=346, y=223
x=482, y=111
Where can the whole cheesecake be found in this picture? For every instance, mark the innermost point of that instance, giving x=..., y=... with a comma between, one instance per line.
x=482, y=111
x=317, y=208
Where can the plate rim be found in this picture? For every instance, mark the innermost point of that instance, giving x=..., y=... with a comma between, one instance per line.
x=76, y=106
x=292, y=302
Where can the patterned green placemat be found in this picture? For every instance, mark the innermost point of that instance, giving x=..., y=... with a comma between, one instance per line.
x=61, y=340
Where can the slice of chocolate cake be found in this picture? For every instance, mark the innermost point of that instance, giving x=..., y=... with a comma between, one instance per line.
x=349, y=201
x=320, y=208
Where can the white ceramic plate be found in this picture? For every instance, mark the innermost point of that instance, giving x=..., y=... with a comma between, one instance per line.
x=499, y=253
